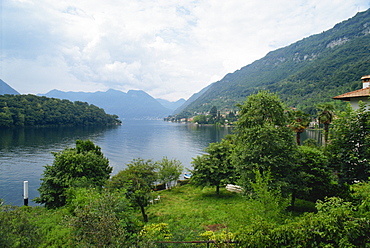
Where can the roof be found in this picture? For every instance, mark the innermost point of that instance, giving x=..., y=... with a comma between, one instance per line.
x=365, y=92
x=365, y=77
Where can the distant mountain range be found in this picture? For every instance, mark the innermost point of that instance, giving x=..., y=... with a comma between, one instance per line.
x=310, y=71
x=135, y=104
x=6, y=89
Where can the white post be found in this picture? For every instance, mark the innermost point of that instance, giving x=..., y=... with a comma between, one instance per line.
x=25, y=192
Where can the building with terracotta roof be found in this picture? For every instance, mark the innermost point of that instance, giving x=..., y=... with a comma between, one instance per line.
x=358, y=95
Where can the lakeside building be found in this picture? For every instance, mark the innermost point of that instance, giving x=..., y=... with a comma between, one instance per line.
x=354, y=97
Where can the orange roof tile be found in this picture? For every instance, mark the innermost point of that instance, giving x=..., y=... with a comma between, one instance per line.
x=357, y=93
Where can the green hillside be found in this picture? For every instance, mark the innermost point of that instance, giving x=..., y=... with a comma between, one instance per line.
x=31, y=110
x=305, y=73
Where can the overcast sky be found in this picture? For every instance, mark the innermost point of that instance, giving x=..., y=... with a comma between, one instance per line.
x=168, y=48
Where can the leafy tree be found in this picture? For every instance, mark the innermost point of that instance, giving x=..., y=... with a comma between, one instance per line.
x=349, y=148
x=325, y=116
x=299, y=122
x=215, y=167
x=314, y=179
x=100, y=219
x=84, y=165
x=200, y=119
x=138, y=180
x=169, y=171
x=264, y=141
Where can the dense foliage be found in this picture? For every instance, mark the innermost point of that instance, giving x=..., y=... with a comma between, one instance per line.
x=264, y=142
x=138, y=180
x=31, y=110
x=84, y=166
x=349, y=148
x=305, y=73
x=214, y=168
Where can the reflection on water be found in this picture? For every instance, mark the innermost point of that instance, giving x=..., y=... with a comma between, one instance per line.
x=24, y=152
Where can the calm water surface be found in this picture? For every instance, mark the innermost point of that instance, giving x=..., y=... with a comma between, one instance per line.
x=24, y=152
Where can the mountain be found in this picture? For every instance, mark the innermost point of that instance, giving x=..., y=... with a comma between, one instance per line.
x=305, y=73
x=192, y=99
x=171, y=105
x=135, y=104
x=6, y=89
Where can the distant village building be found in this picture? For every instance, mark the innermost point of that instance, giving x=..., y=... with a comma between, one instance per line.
x=358, y=95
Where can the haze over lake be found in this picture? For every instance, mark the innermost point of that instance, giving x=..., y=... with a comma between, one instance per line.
x=24, y=152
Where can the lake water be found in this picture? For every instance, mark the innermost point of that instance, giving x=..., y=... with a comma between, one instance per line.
x=24, y=152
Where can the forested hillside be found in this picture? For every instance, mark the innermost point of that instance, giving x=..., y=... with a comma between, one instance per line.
x=31, y=110
x=305, y=73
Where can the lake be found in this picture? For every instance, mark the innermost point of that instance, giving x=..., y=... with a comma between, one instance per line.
x=25, y=151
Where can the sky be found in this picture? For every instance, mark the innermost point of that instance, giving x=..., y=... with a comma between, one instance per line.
x=170, y=49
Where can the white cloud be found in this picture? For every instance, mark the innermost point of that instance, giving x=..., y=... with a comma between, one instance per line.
x=170, y=49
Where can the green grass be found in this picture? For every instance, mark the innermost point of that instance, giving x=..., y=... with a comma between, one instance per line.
x=189, y=211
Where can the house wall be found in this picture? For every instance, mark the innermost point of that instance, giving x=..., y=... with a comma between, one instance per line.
x=354, y=102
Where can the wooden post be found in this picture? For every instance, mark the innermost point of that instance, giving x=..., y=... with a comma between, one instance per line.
x=25, y=192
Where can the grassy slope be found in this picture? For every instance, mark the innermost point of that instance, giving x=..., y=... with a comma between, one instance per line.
x=190, y=211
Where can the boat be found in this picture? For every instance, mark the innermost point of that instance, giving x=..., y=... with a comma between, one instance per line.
x=187, y=175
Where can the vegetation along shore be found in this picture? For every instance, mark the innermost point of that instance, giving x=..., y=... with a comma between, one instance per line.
x=291, y=194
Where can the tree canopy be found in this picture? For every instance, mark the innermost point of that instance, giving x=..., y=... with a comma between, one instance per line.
x=138, y=181
x=349, y=147
x=31, y=110
x=263, y=140
x=214, y=168
x=82, y=166
x=169, y=170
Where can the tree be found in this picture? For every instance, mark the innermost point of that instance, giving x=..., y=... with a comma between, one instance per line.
x=349, y=148
x=263, y=141
x=313, y=178
x=299, y=122
x=169, y=171
x=325, y=116
x=215, y=167
x=213, y=112
x=100, y=218
x=200, y=119
x=83, y=166
x=138, y=180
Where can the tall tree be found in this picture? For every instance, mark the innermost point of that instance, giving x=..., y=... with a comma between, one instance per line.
x=213, y=112
x=264, y=141
x=138, y=180
x=84, y=165
x=325, y=116
x=215, y=167
x=349, y=148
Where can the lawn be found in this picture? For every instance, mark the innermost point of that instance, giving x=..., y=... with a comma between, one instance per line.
x=189, y=211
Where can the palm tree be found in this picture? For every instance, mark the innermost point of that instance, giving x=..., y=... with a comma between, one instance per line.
x=325, y=116
x=299, y=123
